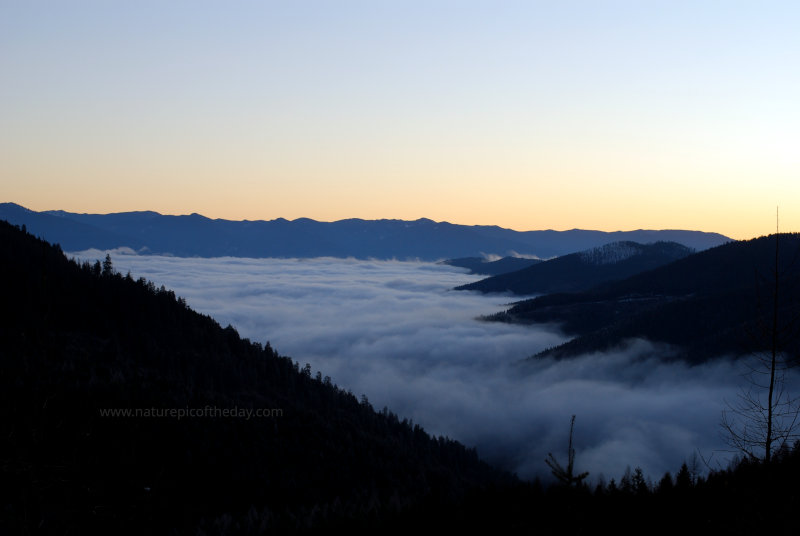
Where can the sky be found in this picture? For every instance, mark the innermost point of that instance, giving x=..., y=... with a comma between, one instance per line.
x=608, y=115
x=397, y=333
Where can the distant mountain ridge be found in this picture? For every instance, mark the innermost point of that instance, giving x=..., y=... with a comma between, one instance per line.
x=423, y=239
x=584, y=269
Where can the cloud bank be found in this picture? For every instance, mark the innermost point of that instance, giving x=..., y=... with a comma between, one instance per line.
x=395, y=332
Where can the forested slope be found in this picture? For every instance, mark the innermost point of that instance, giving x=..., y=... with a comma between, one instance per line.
x=79, y=341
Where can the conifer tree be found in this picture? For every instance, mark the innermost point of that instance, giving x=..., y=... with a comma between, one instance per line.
x=108, y=266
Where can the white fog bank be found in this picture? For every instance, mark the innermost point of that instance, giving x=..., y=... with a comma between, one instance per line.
x=395, y=332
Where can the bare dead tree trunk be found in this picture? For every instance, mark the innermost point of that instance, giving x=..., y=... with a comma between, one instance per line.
x=774, y=347
x=566, y=476
x=754, y=426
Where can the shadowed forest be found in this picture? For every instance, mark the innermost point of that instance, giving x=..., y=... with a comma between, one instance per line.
x=80, y=339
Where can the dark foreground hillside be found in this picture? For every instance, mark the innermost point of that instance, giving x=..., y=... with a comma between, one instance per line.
x=78, y=341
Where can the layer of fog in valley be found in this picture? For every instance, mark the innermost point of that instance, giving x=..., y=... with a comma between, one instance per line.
x=396, y=333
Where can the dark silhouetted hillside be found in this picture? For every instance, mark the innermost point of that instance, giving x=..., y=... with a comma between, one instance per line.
x=81, y=340
x=706, y=305
x=583, y=270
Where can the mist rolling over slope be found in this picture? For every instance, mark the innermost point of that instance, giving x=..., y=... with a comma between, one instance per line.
x=396, y=333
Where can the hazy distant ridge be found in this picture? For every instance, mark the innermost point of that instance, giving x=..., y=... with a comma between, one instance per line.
x=196, y=235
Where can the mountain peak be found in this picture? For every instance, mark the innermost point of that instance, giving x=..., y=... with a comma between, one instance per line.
x=611, y=253
x=14, y=206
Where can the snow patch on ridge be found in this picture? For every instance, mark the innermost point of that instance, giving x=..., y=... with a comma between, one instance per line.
x=611, y=253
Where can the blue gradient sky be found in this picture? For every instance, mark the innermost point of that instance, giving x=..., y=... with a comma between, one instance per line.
x=529, y=115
